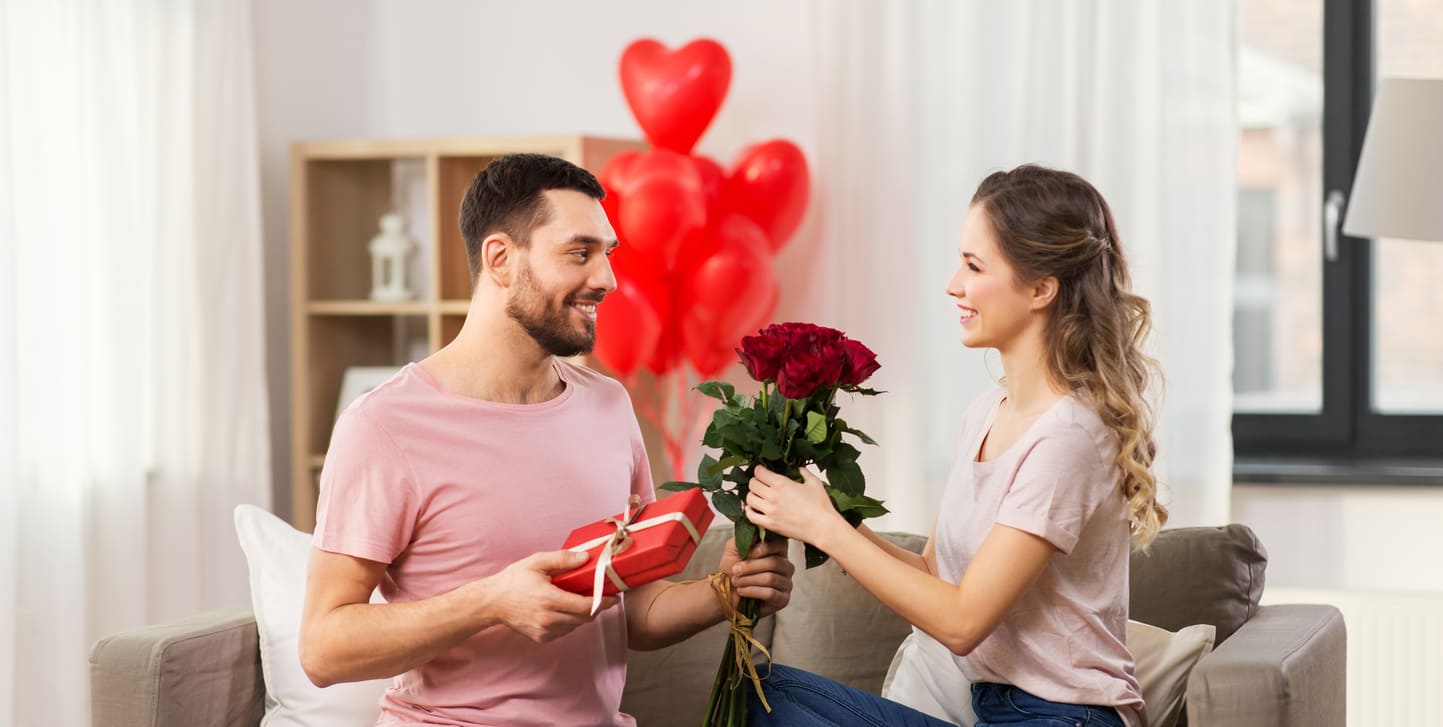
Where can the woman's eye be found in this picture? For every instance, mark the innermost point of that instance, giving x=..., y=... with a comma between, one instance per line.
x=973, y=268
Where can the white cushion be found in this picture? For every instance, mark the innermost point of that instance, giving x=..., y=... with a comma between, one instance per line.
x=1164, y=662
x=924, y=677
x=277, y=555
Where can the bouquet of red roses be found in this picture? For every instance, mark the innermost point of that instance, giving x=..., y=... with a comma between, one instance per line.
x=792, y=423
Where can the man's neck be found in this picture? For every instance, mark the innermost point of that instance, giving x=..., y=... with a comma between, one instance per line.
x=494, y=359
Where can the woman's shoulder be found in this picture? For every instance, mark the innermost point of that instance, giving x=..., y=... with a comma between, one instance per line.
x=1073, y=420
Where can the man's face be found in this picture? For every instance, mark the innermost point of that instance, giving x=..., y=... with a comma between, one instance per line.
x=564, y=274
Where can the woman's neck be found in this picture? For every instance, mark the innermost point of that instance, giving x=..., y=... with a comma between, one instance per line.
x=1030, y=385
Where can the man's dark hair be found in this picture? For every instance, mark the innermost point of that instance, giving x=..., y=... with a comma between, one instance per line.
x=507, y=196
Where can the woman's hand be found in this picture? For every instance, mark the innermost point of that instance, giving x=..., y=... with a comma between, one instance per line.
x=800, y=510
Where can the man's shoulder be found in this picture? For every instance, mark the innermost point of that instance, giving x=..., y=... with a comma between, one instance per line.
x=587, y=378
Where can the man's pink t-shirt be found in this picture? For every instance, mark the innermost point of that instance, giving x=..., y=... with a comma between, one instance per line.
x=448, y=489
x=1065, y=640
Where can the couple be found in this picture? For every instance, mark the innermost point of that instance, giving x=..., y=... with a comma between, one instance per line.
x=450, y=487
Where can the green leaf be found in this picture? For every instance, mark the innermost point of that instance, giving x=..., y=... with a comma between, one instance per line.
x=859, y=434
x=678, y=486
x=740, y=476
x=862, y=390
x=845, y=475
x=847, y=502
x=746, y=536
x=815, y=557
x=816, y=427
x=719, y=390
x=708, y=473
x=727, y=503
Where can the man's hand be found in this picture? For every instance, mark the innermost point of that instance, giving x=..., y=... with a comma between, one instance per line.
x=766, y=576
x=523, y=597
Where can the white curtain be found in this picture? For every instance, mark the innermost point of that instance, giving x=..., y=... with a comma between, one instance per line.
x=920, y=100
x=132, y=397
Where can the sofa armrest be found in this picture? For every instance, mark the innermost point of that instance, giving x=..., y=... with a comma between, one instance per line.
x=1286, y=667
x=203, y=670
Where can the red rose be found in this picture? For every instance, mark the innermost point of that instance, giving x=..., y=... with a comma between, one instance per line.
x=808, y=369
x=861, y=363
x=762, y=355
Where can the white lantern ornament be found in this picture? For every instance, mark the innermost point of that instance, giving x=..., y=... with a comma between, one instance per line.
x=389, y=251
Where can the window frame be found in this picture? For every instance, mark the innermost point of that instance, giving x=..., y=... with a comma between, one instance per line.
x=1347, y=428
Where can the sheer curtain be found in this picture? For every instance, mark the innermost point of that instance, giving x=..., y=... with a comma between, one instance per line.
x=918, y=101
x=132, y=403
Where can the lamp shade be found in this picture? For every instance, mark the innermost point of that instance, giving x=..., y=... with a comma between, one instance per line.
x=1398, y=191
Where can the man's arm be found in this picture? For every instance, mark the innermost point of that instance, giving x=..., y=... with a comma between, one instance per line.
x=663, y=613
x=346, y=638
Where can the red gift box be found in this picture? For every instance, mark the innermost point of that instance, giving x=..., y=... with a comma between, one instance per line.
x=660, y=544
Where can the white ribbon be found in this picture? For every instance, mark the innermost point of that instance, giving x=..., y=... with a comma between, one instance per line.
x=620, y=540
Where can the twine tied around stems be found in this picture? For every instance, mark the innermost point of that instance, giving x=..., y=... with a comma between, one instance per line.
x=741, y=632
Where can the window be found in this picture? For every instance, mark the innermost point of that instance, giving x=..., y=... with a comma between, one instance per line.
x=1339, y=342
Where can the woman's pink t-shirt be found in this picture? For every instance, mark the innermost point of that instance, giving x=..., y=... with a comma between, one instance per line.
x=1065, y=639
x=448, y=489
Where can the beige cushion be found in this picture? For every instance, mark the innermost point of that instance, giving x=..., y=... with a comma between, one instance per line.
x=835, y=627
x=924, y=677
x=1199, y=576
x=1165, y=660
x=677, y=680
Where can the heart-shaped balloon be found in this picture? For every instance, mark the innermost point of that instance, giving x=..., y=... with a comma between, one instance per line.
x=730, y=289
x=661, y=202
x=674, y=95
x=769, y=183
x=627, y=328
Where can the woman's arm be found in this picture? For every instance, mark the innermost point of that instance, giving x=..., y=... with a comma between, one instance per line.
x=959, y=616
x=925, y=561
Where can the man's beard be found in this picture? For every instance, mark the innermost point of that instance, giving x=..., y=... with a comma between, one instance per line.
x=550, y=326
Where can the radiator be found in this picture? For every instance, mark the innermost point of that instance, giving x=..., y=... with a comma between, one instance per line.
x=1395, y=653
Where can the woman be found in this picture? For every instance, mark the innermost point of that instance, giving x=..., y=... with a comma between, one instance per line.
x=1025, y=577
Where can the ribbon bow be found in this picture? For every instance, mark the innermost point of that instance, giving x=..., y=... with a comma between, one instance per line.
x=620, y=539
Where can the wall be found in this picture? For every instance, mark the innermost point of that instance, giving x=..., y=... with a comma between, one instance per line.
x=364, y=68
x=1372, y=538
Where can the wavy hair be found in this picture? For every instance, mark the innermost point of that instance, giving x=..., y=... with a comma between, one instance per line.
x=1054, y=223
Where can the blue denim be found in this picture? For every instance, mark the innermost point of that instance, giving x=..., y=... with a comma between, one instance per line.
x=1003, y=704
x=799, y=699
x=802, y=699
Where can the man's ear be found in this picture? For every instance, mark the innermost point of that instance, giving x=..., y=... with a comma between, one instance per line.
x=1044, y=292
x=499, y=258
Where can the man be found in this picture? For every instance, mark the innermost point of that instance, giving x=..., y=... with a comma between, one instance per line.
x=452, y=485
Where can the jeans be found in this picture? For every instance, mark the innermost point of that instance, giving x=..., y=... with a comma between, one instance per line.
x=1002, y=704
x=802, y=699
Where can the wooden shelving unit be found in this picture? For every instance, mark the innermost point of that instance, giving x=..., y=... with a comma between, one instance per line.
x=339, y=190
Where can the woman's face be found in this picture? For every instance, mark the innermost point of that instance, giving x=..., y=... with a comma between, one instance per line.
x=994, y=307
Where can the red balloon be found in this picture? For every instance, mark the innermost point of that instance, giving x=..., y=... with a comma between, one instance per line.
x=713, y=182
x=627, y=328
x=707, y=358
x=731, y=288
x=638, y=271
x=662, y=202
x=674, y=95
x=769, y=183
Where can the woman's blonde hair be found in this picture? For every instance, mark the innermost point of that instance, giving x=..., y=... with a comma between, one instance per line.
x=1054, y=223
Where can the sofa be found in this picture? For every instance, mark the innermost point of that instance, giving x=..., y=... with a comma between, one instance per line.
x=1272, y=666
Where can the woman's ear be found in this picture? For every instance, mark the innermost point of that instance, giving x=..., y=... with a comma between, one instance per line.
x=498, y=258
x=1044, y=292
